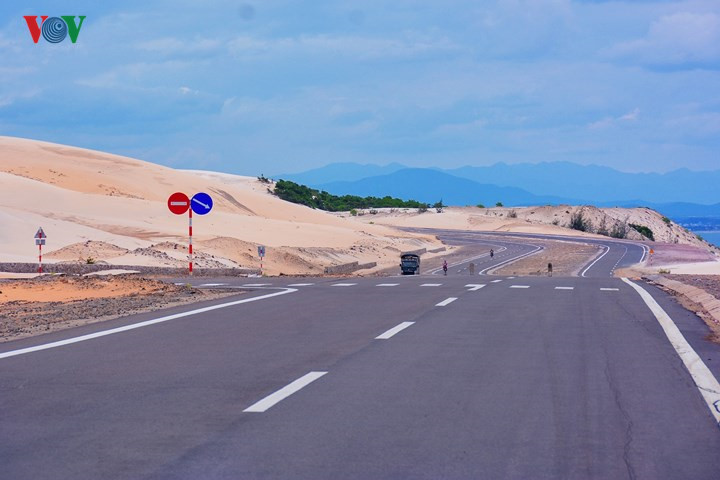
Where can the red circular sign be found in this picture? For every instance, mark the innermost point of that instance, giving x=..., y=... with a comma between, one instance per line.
x=178, y=203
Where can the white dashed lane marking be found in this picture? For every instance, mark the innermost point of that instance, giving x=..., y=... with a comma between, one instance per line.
x=210, y=284
x=257, y=284
x=284, y=392
x=496, y=281
x=431, y=284
x=474, y=286
x=343, y=284
x=446, y=302
x=564, y=288
x=609, y=289
x=301, y=284
x=519, y=286
x=387, y=284
x=394, y=330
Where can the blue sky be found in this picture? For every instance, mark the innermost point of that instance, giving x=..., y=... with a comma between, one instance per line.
x=281, y=86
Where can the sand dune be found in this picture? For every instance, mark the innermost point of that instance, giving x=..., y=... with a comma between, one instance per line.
x=79, y=195
x=113, y=209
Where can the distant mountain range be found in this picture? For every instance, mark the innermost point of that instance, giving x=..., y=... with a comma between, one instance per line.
x=680, y=193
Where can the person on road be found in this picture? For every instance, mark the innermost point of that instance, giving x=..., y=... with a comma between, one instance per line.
x=492, y=253
x=549, y=269
x=445, y=267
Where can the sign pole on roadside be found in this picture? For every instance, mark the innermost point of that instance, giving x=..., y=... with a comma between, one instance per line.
x=190, y=255
x=40, y=241
x=261, y=254
x=201, y=204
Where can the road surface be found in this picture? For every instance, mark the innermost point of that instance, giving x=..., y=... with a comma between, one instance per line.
x=427, y=376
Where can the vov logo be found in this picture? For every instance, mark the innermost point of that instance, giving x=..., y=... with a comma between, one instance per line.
x=54, y=29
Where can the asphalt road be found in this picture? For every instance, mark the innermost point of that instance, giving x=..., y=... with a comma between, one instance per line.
x=518, y=378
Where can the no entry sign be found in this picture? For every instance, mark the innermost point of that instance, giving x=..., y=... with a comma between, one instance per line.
x=178, y=203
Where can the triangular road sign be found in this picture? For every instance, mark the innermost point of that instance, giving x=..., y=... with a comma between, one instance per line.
x=40, y=233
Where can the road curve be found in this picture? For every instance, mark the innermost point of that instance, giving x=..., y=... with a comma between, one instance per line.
x=614, y=254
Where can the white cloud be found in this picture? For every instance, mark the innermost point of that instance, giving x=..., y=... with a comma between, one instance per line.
x=674, y=40
x=630, y=116
x=363, y=47
x=606, y=122
x=172, y=45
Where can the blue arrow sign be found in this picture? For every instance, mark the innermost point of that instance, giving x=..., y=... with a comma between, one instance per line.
x=201, y=203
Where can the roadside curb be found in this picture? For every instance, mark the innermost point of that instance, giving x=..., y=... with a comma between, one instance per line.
x=709, y=303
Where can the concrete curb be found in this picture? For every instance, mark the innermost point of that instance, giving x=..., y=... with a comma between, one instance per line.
x=697, y=295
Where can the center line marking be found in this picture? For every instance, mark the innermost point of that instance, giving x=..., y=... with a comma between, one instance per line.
x=447, y=301
x=609, y=289
x=343, y=284
x=474, y=286
x=394, y=330
x=431, y=284
x=564, y=288
x=519, y=286
x=284, y=392
x=387, y=284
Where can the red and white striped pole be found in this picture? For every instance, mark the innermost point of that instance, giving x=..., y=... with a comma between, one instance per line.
x=190, y=257
x=39, y=257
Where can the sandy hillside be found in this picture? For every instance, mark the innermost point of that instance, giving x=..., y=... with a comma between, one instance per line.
x=551, y=220
x=114, y=209
x=111, y=209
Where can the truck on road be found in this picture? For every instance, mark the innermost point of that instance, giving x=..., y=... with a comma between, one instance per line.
x=410, y=264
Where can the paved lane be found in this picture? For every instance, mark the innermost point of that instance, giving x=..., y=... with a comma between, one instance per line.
x=421, y=376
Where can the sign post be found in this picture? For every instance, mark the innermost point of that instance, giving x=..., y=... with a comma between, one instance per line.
x=179, y=203
x=40, y=241
x=261, y=254
x=201, y=204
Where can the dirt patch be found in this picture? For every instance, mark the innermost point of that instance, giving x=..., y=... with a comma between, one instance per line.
x=567, y=259
x=708, y=284
x=667, y=254
x=46, y=304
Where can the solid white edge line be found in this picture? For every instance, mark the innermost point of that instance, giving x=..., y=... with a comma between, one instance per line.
x=283, y=393
x=446, y=302
x=607, y=249
x=146, y=323
x=701, y=374
x=394, y=330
